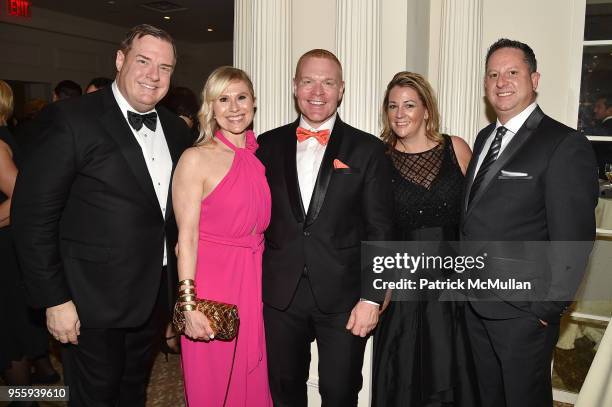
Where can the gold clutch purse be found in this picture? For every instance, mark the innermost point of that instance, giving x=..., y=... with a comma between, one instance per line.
x=223, y=318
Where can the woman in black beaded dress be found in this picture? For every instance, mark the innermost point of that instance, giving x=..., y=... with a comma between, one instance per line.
x=421, y=353
x=23, y=336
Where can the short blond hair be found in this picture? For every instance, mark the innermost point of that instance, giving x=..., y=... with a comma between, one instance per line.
x=6, y=101
x=216, y=83
x=317, y=53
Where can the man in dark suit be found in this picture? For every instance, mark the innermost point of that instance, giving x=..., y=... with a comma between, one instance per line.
x=94, y=226
x=330, y=187
x=603, y=113
x=531, y=179
x=603, y=146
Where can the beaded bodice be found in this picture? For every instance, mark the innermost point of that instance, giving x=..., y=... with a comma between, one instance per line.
x=427, y=188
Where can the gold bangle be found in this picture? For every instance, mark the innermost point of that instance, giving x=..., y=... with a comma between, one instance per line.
x=187, y=291
x=187, y=298
x=188, y=307
x=188, y=282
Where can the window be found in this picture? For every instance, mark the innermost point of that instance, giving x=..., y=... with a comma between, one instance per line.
x=596, y=69
x=583, y=329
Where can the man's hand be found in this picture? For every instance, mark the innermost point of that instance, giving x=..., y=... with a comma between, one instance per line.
x=363, y=319
x=63, y=323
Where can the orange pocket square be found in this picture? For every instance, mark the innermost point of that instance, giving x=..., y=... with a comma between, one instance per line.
x=339, y=164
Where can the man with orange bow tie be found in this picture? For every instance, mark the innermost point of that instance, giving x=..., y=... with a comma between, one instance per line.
x=331, y=189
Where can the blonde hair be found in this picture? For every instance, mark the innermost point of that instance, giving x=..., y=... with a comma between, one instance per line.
x=6, y=101
x=216, y=83
x=317, y=53
x=427, y=97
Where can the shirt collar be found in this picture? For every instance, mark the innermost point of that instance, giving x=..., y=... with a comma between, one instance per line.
x=327, y=125
x=517, y=121
x=124, y=105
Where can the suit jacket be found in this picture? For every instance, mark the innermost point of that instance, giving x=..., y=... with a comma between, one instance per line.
x=554, y=202
x=29, y=133
x=348, y=206
x=86, y=220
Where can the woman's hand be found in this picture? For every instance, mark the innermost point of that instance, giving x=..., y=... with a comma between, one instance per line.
x=197, y=326
x=385, y=302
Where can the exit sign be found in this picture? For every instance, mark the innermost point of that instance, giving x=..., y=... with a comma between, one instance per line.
x=19, y=8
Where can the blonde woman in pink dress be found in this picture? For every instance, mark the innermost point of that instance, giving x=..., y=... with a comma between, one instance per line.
x=222, y=205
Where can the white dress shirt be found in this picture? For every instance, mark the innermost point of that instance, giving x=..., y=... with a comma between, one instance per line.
x=155, y=152
x=308, y=156
x=513, y=125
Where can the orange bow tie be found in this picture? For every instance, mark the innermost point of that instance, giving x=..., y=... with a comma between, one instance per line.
x=321, y=136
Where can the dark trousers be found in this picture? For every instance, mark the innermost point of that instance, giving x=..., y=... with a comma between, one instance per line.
x=289, y=334
x=111, y=367
x=512, y=359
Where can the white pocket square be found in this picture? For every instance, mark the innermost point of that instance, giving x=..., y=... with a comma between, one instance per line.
x=514, y=174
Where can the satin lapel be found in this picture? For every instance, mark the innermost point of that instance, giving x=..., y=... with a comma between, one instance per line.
x=118, y=128
x=469, y=176
x=325, y=172
x=291, y=178
x=176, y=147
x=521, y=137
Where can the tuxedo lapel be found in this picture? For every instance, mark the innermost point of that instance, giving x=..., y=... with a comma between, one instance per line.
x=521, y=137
x=325, y=172
x=116, y=126
x=291, y=177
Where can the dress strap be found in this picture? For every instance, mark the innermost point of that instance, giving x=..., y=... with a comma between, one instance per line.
x=220, y=136
x=450, y=151
x=250, y=143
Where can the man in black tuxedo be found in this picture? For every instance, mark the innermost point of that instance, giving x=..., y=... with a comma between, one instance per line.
x=531, y=179
x=94, y=227
x=330, y=187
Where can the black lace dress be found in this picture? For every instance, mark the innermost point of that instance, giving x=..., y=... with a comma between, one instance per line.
x=421, y=352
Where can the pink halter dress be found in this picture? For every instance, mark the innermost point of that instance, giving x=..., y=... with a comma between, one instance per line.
x=233, y=218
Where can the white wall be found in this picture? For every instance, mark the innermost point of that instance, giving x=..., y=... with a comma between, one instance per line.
x=313, y=25
x=417, y=35
x=553, y=28
x=52, y=46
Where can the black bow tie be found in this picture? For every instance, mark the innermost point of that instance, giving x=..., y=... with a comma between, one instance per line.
x=137, y=120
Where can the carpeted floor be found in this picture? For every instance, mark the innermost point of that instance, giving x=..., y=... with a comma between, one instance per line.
x=166, y=386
